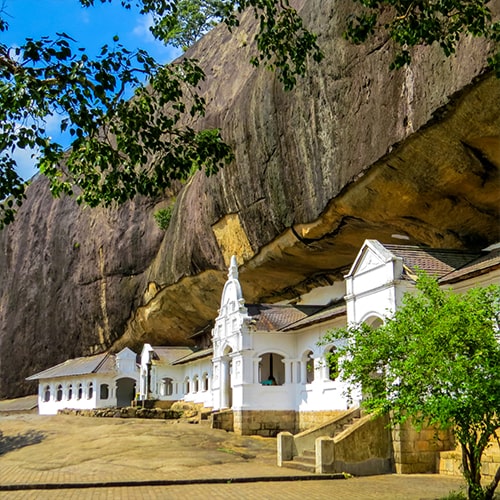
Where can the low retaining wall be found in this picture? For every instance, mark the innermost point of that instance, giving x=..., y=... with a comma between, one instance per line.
x=417, y=451
x=364, y=449
x=263, y=423
x=129, y=412
x=310, y=419
x=450, y=462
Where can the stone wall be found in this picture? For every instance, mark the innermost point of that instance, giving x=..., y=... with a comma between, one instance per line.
x=450, y=462
x=416, y=451
x=264, y=423
x=309, y=419
x=129, y=412
x=363, y=449
x=223, y=420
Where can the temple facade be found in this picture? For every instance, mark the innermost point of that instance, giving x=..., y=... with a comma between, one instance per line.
x=264, y=365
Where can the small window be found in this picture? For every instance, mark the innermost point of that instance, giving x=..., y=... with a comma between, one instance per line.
x=205, y=382
x=46, y=394
x=80, y=391
x=104, y=391
x=309, y=367
x=333, y=368
x=59, y=393
x=196, y=384
x=90, y=391
x=187, y=386
x=168, y=386
x=70, y=392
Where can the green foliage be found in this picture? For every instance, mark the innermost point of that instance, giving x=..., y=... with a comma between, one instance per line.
x=163, y=216
x=454, y=495
x=423, y=22
x=283, y=42
x=122, y=147
x=437, y=362
x=188, y=20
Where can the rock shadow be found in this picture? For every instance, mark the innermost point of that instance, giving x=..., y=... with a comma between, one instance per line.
x=11, y=443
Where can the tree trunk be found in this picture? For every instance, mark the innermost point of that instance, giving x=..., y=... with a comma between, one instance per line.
x=472, y=473
x=490, y=489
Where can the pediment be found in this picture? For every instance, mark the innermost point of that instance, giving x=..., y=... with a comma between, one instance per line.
x=372, y=255
x=369, y=260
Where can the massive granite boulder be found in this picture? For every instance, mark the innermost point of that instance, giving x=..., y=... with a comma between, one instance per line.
x=354, y=152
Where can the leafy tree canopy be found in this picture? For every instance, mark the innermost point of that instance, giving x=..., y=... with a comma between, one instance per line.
x=122, y=147
x=423, y=22
x=437, y=362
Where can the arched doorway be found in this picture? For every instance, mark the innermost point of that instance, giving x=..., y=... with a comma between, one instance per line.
x=271, y=369
x=125, y=391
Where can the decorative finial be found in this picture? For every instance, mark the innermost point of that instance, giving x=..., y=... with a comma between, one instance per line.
x=233, y=269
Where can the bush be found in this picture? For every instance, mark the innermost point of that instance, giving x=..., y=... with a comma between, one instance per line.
x=163, y=216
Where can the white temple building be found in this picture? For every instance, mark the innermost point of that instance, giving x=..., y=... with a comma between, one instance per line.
x=100, y=381
x=263, y=366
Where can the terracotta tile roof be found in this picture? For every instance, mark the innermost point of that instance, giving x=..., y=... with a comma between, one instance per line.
x=203, y=353
x=328, y=312
x=100, y=363
x=169, y=354
x=481, y=265
x=272, y=317
x=434, y=261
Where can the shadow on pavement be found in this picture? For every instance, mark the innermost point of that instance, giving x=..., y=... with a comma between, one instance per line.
x=11, y=443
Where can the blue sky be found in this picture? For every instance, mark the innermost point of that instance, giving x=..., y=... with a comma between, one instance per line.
x=91, y=27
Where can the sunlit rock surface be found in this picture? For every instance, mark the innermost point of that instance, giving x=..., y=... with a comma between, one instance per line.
x=354, y=152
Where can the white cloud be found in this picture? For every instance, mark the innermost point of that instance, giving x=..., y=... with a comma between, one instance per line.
x=161, y=52
x=141, y=29
x=25, y=160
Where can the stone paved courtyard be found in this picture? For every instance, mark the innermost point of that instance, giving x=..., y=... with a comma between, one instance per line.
x=92, y=454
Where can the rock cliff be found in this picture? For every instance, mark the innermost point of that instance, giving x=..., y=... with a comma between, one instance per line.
x=354, y=152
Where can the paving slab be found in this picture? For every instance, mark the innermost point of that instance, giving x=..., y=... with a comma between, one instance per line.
x=81, y=457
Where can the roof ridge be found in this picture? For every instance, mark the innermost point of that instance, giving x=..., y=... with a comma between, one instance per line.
x=103, y=360
x=321, y=309
x=433, y=249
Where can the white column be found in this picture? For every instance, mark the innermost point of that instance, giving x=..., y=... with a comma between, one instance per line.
x=288, y=372
x=303, y=372
x=224, y=382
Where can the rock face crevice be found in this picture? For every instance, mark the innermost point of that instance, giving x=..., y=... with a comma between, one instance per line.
x=354, y=152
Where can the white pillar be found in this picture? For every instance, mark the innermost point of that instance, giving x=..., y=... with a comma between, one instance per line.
x=303, y=372
x=225, y=382
x=288, y=371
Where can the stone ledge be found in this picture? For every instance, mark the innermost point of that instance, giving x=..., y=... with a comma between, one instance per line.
x=129, y=412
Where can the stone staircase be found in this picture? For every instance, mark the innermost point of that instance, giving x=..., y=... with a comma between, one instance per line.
x=305, y=459
x=350, y=443
x=306, y=462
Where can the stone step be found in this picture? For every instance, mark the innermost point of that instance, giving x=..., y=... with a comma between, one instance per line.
x=308, y=459
x=298, y=464
x=309, y=453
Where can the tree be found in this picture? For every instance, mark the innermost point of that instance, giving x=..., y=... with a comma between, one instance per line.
x=423, y=22
x=122, y=147
x=436, y=361
x=125, y=146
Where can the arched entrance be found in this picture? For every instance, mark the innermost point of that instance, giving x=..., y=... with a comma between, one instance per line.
x=271, y=369
x=125, y=391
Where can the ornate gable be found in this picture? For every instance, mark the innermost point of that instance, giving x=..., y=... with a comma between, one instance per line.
x=372, y=255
